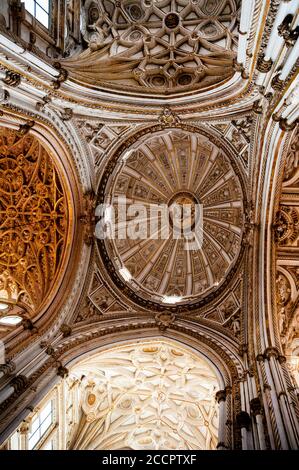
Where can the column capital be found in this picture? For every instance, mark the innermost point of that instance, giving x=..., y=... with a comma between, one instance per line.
x=243, y=420
x=264, y=65
x=260, y=358
x=220, y=395
x=256, y=406
x=271, y=352
x=62, y=371
x=19, y=383
x=282, y=359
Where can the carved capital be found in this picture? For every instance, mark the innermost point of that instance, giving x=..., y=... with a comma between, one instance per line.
x=260, y=358
x=277, y=84
x=28, y=325
x=62, y=371
x=19, y=383
x=243, y=420
x=263, y=65
x=285, y=30
x=4, y=96
x=284, y=126
x=12, y=79
x=41, y=104
x=7, y=368
x=282, y=359
x=67, y=114
x=62, y=77
x=237, y=66
x=257, y=108
x=168, y=117
x=271, y=352
x=50, y=350
x=24, y=428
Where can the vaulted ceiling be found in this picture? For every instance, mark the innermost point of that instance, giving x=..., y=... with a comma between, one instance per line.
x=149, y=395
x=165, y=46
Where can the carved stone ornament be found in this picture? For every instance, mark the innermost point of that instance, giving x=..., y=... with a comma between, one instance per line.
x=62, y=371
x=287, y=31
x=168, y=118
x=12, y=79
x=292, y=159
x=34, y=220
x=87, y=219
x=263, y=65
x=159, y=173
x=170, y=45
x=164, y=320
x=286, y=227
x=163, y=399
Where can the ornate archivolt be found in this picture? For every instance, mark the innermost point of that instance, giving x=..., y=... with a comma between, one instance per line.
x=146, y=395
x=163, y=46
x=34, y=223
x=286, y=233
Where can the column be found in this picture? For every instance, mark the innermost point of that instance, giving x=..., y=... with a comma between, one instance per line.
x=244, y=421
x=256, y=410
x=221, y=399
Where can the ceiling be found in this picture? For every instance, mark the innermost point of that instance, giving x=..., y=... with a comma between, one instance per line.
x=171, y=169
x=159, y=47
x=152, y=394
x=34, y=223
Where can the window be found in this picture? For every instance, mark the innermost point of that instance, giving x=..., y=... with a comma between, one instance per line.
x=40, y=9
x=40, y=425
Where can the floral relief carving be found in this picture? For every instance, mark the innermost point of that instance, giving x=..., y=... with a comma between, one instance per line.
x=286, y=227
x=292, y=160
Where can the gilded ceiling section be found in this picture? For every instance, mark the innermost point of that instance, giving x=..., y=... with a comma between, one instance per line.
x=170, y=169
x=151, y=395
x=34, y=221
x=157, y=46
x=286, y=232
